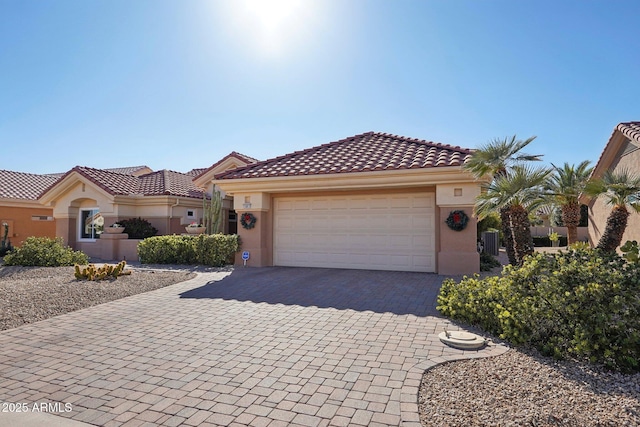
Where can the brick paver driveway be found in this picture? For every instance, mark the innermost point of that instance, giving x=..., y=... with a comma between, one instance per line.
x=260, y=346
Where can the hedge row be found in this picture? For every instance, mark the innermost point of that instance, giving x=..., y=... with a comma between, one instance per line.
x=214, y=250
x=579, y=304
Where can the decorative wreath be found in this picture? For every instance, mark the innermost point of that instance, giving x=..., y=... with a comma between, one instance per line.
x=457, y=220
x=248, y=220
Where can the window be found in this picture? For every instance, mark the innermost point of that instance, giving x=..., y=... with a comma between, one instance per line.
x=91, y=223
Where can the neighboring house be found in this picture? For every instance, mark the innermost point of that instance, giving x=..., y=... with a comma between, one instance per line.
x=621, y=152
x=19, y=206
x=372, y=201
x=85, y=200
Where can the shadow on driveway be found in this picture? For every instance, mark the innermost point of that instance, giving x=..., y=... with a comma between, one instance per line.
x=360, y=290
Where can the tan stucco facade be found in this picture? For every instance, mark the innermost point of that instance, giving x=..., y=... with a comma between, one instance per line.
x=26, y=219
x=455, y=251
x=169, y=214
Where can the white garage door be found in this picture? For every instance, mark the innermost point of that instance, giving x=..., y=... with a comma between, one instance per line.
x=378, y=232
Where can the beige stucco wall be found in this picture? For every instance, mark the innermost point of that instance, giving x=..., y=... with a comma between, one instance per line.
x=599, y=210
x=258, y=240
x=456, y=251
x=168, y=214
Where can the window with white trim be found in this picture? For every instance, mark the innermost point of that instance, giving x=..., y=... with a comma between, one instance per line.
x=91, y=223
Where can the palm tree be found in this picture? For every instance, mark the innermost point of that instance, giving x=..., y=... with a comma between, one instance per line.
x=564, y=187
x=494, y=159
x=515, y=195
x=620, y=189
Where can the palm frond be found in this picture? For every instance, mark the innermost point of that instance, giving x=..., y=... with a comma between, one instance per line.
x=618, y=188
x=523, y=186
x=497, y=156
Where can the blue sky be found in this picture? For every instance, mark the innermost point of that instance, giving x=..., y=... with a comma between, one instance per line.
x=179, y=84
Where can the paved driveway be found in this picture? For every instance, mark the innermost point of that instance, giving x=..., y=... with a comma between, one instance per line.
x=257, y=346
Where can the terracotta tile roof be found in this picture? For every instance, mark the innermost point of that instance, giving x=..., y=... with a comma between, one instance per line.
x=166, y=182
x=196, y=172
x=242, y=157
x=367, y=152
x=24, y=186
x=163, y=182
x=129, y=170
x=631, y=130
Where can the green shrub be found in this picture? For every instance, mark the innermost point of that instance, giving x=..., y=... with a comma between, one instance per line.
x=205, y=249
x=631, y=251
x=577, y=304
x=488, y=261
x=138, y=228
x=44, y=252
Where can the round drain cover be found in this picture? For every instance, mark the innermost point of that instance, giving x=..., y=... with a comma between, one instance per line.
x=462, y=340
x=461, y=335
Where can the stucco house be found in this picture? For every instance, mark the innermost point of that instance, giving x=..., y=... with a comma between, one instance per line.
x=86, y=200
x=371, y=201
x=622, y=151
x=20, y=208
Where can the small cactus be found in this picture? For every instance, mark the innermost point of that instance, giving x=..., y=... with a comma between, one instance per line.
x=90, y=272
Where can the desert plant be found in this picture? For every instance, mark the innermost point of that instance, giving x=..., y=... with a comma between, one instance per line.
x=514, y=195
x=495, y=160
x=5, y=243
x=212, y=217
x=564, y=187
x=138, y=228
x=44, y=252
x=107, y=271
x=582, y=303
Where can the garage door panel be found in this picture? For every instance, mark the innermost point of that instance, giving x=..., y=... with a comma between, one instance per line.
x=385, y=232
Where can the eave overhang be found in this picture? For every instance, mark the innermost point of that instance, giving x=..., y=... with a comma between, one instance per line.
x=404, y=178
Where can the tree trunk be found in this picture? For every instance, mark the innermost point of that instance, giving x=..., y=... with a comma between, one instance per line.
x=614, y=230
x=571, y=220
x=521, y=229
x=505, y=218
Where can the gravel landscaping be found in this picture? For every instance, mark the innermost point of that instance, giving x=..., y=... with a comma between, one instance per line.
x=30, y=294
x=521, y=388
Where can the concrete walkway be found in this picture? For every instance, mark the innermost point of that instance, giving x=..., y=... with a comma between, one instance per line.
x=257, y=346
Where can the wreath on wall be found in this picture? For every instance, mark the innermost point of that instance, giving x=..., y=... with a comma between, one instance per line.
x=248, y=220
x=457, y=220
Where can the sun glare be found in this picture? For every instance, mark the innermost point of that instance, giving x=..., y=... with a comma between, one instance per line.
x=272, y=25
